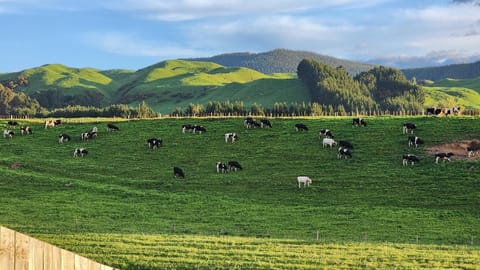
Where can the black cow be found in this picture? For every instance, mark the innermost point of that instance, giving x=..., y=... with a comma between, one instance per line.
x=359, y=122
x=472, y=148
x=221, y=167
x=200, y=129
x=64, y=138
x=408, y=127
x=112, y=127
x=414, y=141
x=345, y=144
x=301, y=127
x=154, y=143
x=443, y=156
x=234, y=165
x=344, y=152
x=25, y=130
x=187, y=127
x=12, y=124
x=433, y=111
x=80, y=152
x=326, y=133
x=409, y=158
x=265, y=123
x=178, y=172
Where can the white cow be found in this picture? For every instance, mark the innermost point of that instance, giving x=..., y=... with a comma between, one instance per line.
x=328, y=141
x=305, y=180
x=231, y=136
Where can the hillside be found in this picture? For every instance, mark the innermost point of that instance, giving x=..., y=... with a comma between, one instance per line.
x=453, y=92
x=281, y=61
x=457, y=71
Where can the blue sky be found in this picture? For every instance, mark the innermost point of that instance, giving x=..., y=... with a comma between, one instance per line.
x=132, y=34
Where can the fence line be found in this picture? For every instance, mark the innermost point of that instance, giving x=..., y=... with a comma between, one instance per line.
x=19, y=251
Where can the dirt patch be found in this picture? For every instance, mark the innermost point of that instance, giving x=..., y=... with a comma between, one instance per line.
x=459, y=149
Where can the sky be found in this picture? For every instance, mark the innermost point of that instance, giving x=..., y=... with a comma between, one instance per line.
x=133, y=34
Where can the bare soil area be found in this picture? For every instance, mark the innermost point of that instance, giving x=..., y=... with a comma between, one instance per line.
x=459, y=149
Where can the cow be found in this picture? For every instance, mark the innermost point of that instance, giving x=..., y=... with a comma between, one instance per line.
x=472, y=148
x=8, y=133
x=12, y=124
x=326, y=133
x=52, y=123
x=265, y=123
x=199, y=128
x=443, y=156
x=414, y=141
x=301, y=127
x=221, y=167
x=231, y=137
x=328, y=141
x=409, y=158
x=63, y=138
x=187, y=127
x=344, y=152
x=87, y=135
x=408, y=128
x=433, y=111
x=80, y=152
x=154, y=143
x=453, y=110
x=249, y=122
x=359, y=122
x=25, y=130
x=178, y=172
x=345, y=144
x=305, y=180
x=234, y=166
x=112, y=127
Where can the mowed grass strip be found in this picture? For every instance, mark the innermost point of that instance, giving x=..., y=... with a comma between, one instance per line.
x=122, y=186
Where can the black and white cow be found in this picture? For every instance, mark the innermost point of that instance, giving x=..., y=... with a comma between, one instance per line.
x=187, y=128
x=200, y=129
x=25, y=130
x=344, y=152
x=64, y=138
x=154, y=143
x=433, y=111
x=265, y=123
x=328, y=142
x=251, y=123
x=453, y=110
x=409, y=158
x=345, y=144
x=443, y=156
x=52, y=123
x=414, y=141
x=178, y=172
x=359, y=122
x=326, y=133
x=408, y=128
x=234, y=166
x=221, y=167
x=301, y=127
x=231, y=137
x=248, y=121
x=12, y=124
x=112, y=127
x=8, y=133
x=88, y=135
x=473, y=148
x=80, y=152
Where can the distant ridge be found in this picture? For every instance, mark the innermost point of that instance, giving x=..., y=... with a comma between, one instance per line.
x=456, y=71
x=281, y=61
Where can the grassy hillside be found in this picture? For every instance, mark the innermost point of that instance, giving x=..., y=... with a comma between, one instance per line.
x=124, y=187
x=456, y=71
x=464, y=93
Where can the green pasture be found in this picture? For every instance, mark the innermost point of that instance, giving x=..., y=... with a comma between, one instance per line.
x=122, y=190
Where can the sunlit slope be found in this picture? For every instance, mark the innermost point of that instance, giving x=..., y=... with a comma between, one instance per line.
x=449, y=92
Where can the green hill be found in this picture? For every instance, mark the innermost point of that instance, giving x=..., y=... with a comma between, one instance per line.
x=117, y=202
x=461, y=92
x=456, y=71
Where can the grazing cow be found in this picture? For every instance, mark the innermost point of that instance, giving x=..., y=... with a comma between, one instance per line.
x=221, y=167
x=305, y=180
x=85, y=136
x=472, y=148
x=443, y=156
x=344, y=152
x=52, y=123
x=231, y=137
x=63, y=138
x=112, y=127
x=234, y=165
x=328, y=141
x=8, y=133
x=12, y=124
x=250, y=122
x=414, y=141
x=453, y=110
x=301, y=127
x=200, y=129
x=154, y=143
x=409, y=158
x=247, y=121
x=345, y=144
x=326, y=133
x=178, y=172
x=359, y=122
x=408, y=128
x=187, y=127
x=25, y=130
x=80, y=152
x=433, y=111
x=265, y=122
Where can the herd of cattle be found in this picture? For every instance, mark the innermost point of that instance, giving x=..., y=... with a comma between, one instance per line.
x=343, y=151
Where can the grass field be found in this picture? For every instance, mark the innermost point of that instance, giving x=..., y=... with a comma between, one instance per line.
x=120, y=204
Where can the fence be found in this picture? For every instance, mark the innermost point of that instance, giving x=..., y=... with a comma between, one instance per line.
x=21, y=252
